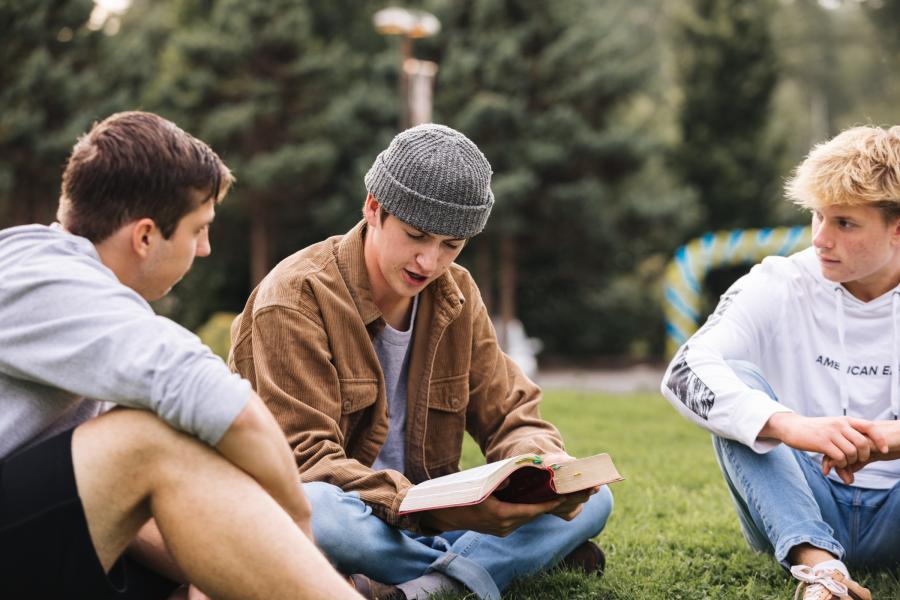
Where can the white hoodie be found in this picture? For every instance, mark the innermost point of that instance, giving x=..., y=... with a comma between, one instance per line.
x=823, y=351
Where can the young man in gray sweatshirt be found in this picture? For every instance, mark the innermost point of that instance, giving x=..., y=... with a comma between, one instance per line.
x=193, y=476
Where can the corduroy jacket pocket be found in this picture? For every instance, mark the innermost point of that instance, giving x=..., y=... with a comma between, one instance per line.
x=356, y=395
x=447, y=401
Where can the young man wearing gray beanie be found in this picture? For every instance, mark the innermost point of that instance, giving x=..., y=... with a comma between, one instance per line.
x=375, y=353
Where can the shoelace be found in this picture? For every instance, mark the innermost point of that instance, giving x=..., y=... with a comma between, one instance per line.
x=808, y=577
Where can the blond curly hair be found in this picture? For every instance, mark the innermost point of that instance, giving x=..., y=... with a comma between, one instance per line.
x=860, y=166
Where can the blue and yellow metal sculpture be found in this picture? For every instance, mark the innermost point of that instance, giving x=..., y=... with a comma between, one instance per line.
x=687, y=270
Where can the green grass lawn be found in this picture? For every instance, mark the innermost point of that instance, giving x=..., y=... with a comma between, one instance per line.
x=673, y=532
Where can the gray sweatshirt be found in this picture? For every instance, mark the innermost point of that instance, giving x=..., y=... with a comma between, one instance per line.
x=72, y=337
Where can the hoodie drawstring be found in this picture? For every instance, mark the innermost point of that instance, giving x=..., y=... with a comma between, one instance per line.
x=839, y=310
x=895, y=367
x=895, y=355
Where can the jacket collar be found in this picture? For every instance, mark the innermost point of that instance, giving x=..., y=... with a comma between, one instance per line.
x=351, y=262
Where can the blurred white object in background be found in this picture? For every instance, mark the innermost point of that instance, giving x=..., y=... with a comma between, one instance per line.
x=522, y=349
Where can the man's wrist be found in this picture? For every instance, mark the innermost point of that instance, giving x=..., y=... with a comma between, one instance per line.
x=893, y=436
x=776, y=424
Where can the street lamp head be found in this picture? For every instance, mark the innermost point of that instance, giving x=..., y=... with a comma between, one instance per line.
x=406, y=22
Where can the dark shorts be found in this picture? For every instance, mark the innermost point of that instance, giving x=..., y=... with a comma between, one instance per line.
x=45, y=548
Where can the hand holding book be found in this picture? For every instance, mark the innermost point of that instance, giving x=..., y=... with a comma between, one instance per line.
x=570, y=504
x=499, y=497
x=492, y=516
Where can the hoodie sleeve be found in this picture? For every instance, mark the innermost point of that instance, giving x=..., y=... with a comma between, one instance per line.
x=75, y=328
x=699, y=382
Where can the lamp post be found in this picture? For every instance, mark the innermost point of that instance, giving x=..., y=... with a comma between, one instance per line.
x=416, y=76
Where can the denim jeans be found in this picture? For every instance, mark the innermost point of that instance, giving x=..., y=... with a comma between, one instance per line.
x=356, y=541
x=783, y=500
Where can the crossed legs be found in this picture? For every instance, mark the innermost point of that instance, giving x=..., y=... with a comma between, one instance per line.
x=227, y=535
x=357, y=541
x=789, y=509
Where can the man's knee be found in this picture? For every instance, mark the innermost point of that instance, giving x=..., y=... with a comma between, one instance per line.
x=321, y=494
x=336, y=515
x=751, y=376
x=138, y=440
x=598, y=508
x=343, y=525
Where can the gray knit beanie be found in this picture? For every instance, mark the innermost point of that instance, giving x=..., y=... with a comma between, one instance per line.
x=435, y=179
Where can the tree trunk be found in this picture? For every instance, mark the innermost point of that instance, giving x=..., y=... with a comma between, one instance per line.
x=507, y=285
x=259, y=240
x=484, y=272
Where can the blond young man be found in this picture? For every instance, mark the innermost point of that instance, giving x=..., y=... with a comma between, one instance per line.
x=191, y=475
x=375, y=353
x=796, y=375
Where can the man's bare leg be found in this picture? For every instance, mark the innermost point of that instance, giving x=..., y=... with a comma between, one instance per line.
x=809, y=555
x=230, y=538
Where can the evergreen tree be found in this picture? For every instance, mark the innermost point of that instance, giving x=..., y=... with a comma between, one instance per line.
x=296, y=97
x=885, y=15
x=583, y=213
x=47, y=93
x=727, y=70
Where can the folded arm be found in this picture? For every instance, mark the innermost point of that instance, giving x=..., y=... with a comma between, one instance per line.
x=884, y=440
x=256, y=444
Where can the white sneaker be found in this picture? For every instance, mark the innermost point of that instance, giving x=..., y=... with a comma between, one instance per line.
x=826, y=585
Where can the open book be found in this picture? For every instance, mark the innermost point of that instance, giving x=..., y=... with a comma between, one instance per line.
x=529, y=481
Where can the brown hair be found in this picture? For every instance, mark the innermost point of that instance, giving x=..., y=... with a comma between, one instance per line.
x=134, y=165
x=858, y=167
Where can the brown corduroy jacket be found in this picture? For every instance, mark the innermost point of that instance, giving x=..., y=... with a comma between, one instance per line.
x=304, y=340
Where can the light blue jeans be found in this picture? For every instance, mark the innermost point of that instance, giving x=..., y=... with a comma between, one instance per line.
x=783, y=500
x=356, y=541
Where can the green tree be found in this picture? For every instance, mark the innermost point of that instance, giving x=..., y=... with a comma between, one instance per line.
x=727, y=70
x=583, y=209
x=885, y=15
x=296, y=97
x=47, y=89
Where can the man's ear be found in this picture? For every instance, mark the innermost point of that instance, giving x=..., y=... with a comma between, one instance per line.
x=143, y=236
x=895, y=232
x=372, y=211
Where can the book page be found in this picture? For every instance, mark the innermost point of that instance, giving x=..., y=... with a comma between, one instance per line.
x=584, y=473
x=457, y=489
x=482, y=473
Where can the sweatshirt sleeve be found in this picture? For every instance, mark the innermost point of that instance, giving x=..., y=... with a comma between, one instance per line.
x=701, y=385
x=83, y=332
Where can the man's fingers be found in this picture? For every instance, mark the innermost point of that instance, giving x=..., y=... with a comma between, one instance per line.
x=579, y=497
x=522, y=513
x=862, y=444
x=573, y=513
x=845, y=474
x=878, y=437
x=836, y=455
x=846, y=446
x=871, y=430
